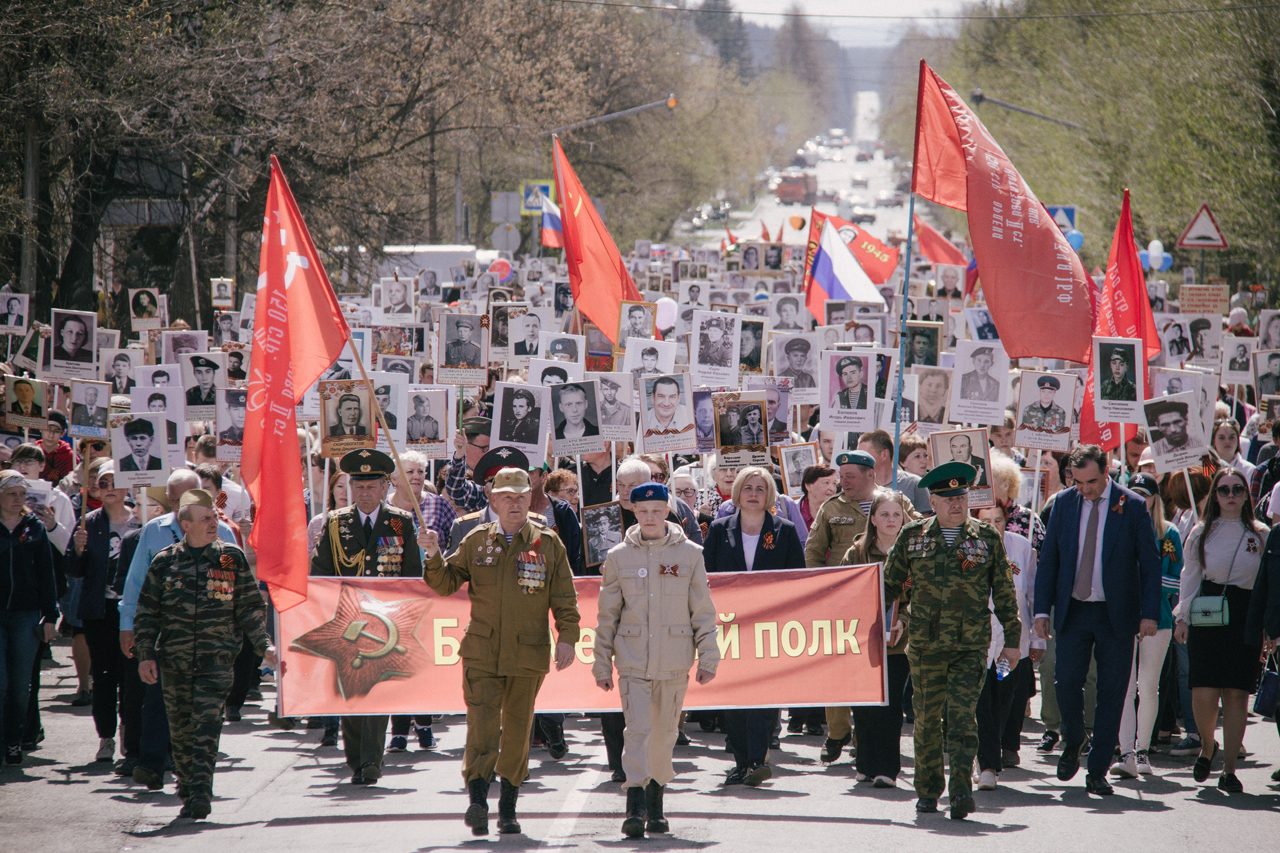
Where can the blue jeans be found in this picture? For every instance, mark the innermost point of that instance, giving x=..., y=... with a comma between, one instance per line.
x=1184, y=689
x=19, y=641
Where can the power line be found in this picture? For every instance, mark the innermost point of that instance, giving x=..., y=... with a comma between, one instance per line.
x=1048, y=16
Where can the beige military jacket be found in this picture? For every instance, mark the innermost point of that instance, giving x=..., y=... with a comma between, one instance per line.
x=655, y=609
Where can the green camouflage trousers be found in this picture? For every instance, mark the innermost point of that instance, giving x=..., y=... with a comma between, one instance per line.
x=194, y=702
x=946, y=687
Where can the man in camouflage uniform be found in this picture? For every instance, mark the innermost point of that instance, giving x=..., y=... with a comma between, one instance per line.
x=1118, y=385
x=199, y=602
x=370, y=538
x=516, y=570
x=948, y=568
x=1046, y=415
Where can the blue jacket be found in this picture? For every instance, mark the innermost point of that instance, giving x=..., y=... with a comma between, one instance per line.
x=1130, y=560
x=722, y=552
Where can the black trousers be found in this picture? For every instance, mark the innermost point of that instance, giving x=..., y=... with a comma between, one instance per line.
x=877, y=732
x=1023, y=690
x=107, y=668
x=132, y=693
x=246, y=675
x=612, y=726
x=997, y=702
x=749, y=731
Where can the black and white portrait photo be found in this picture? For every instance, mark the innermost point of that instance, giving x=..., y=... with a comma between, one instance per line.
x=846, y=390
x=13, y=319
x=346, y=417
x=138, y=450
x=1119, y=381
x=1177, y=435
x=462, y=350
x=636, y=320
x=969, y=446
x=981, y=391
x=521, y=418
x=924, y=342
x=795, y=358
x=576, y=418
x=222, y=294
x=73, y=355
x=144, y=309
x=714, y=350
x=90, y=401
x=601, y=530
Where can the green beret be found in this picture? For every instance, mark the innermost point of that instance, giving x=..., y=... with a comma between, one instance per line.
x=949, y=479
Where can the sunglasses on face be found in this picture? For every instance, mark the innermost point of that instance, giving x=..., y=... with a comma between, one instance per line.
x=1231, y=491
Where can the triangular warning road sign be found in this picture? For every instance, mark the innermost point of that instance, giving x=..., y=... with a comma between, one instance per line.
x=1063, y=220
x=1203, y=232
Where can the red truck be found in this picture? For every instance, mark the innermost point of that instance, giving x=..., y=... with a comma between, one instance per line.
x=797, y=188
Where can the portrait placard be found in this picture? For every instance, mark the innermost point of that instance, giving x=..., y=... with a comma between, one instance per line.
x=1119, y=384
x=25, y=403
x=563, y=347
x=602, y=529
x=174, y=344
x=14, y=318
x=846, y=393
x=545, y=372
x=795, y=357
x=500, y=316
x=795, y=459
x=1237, y=361
x=431, y=422
x=226, y=329
x=713, y=359
x=777, y=406
x=168, y=402
x=1178, y=440
x=575, y=415
x=1206, y=338
x=751, y=350
x=390, y=394
x=222, y=293
x=74, y=351
x=144, y=309
x=788, y=314
x=924, y=344
x=970, y=447
x=933, y=397
x=981, y=393
x=1266, y=371
x=90, y=403
x=1269, y=328
x=345, y=417
x=521, y=418
x=230, y=423
x=640, y=319
x=741, y=434
x=1045, y=402
x=202, y=374
x=138, y=450
x=394, y=300
x=524, y=333
x=616, y=405
x=645, y=358
x=460, y=347
x=667, y=426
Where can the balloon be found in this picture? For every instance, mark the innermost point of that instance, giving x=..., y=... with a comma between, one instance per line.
x=1076, y=239
x=1155, y=248
x=1166, y=262
x=1145, y=257
x=796, y=222
x=667, y=310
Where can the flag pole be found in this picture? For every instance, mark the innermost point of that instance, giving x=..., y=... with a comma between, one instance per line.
x=902, y=340
x=391, y=443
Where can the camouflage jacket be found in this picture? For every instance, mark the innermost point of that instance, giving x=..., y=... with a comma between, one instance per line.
x=194, y=611
x=949, y=589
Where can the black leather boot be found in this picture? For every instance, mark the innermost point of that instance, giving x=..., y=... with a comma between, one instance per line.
x=653, y=802
x=507, y=822
x=477, y=816
x=633, y=826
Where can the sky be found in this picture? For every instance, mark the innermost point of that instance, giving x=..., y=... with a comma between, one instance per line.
x=867, y=33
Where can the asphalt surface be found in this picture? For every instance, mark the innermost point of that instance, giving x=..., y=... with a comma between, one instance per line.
x=278, y=790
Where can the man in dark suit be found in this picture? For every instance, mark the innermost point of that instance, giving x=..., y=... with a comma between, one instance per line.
x=24, y=404
x=140, y=434
x=1099, y=573
x=350, y=417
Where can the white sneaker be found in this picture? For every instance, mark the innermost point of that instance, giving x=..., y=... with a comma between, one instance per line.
x=106, y=749
x=1143, y=762
x=1126, y=767
x=885, y=782
x=987, y=780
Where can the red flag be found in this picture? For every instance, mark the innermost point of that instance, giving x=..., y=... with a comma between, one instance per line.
x=971, y=279
x=934, y=247
x=1035, y=285
x=877, y=260
x=733, y=241
x=298, y=332
x=1123, y=312
x=597, y=276
x=764, y=232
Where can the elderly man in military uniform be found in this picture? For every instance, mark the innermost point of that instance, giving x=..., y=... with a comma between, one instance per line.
x=1118, y=385
x=461, y=352
x=234, y=433
x=1046, y=415
x=853, y=394
x=949, y=569
x=979, y=384
x=520, y=423
x=797, y=353
x=369, y=538
x=656, y=581
x=203, y=393
x=516, y=571
x=199, y=603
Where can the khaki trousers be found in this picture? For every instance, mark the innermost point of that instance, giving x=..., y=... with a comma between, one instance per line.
x=499, y=720
x=651, y=709
x=839, y=722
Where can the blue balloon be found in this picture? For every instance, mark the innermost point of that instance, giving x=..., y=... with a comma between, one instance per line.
x=1166, y=263
x=1145, y=257
x=1075, y=239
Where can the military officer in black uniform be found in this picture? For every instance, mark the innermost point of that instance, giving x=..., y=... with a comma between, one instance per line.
x=203, y=392
x=370, y=538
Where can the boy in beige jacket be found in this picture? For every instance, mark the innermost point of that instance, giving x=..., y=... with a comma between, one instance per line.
x=655, y=612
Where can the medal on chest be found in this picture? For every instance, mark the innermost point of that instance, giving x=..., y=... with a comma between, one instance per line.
x=973, y=553
x=531, y=572
x=390, y=555
x=220, y=585
x=921, y=545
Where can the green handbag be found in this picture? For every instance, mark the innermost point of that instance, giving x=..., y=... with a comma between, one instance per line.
x=1210, y=611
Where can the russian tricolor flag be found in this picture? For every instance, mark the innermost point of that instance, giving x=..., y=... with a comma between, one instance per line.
x=552, y=230
x=837, y=275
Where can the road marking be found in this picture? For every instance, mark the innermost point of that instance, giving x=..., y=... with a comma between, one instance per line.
x=562, y=827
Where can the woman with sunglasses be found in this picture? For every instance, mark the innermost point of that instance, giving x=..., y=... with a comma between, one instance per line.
x=1222, y=558
x=1137, y=725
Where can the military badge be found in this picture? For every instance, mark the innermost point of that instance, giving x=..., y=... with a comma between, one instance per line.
x=674, y=571
x=531, y=572
x=1251, y=545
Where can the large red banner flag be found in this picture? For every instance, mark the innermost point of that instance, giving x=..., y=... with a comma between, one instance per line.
x=1123, y=312
x=298, y=332
x=1035, y=286
x=877, y=260
x=597, y=276
x=934, y=247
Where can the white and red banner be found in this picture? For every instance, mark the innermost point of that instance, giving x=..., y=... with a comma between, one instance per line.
x=804, y=637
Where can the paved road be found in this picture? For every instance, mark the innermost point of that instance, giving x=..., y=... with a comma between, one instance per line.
x=277, y=790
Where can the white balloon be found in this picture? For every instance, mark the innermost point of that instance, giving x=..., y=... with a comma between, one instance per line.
x=667, y=310
x=1155, y=248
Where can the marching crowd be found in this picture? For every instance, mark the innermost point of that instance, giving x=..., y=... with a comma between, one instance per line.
x=1145, y=602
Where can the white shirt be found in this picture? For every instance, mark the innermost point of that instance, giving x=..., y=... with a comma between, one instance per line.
x=1023, y=558
x=239, y=505
x=749, y=543
x=372, y=517
x=1095, y=593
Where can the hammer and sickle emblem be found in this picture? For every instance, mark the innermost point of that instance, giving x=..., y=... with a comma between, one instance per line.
x=357, y=629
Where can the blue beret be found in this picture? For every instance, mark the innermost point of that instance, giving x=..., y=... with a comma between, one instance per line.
x=649, y=492
x=855, y=457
